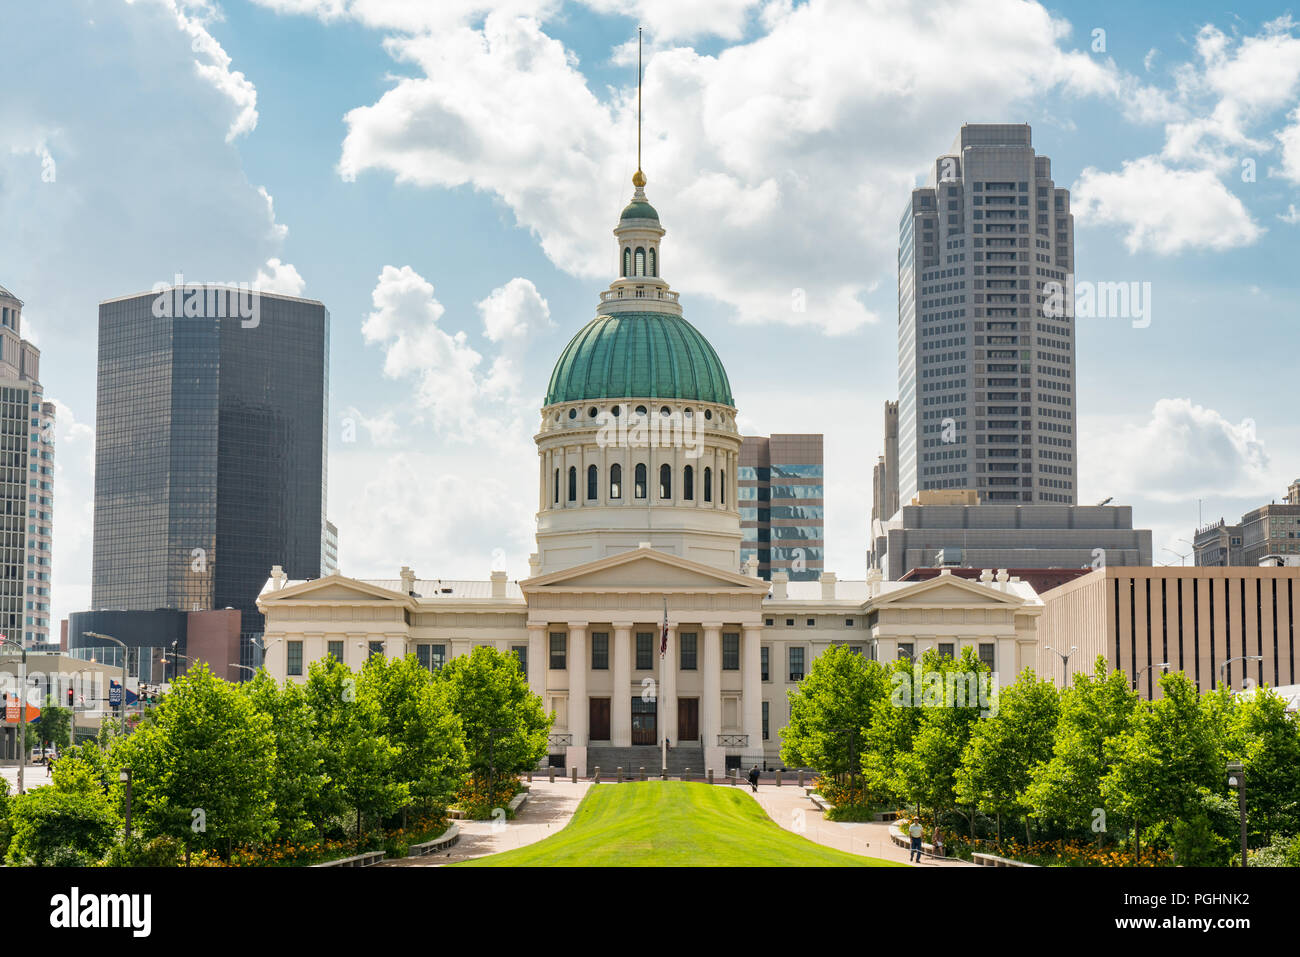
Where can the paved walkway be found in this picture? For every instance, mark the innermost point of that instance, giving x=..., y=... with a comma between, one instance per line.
x=792, y=809
x=34, y=776
x=547, y=810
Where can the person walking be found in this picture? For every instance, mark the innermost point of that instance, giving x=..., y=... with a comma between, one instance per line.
x=915, y=832
x=753, y=779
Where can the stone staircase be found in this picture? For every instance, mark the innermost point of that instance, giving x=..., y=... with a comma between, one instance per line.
x=633, y=759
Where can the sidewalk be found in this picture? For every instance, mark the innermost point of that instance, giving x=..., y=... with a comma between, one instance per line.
x=547, y=810
x=791, y=809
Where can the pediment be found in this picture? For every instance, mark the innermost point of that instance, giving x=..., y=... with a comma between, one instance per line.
x=948, y=590
x=644, y=568
x=333, y=588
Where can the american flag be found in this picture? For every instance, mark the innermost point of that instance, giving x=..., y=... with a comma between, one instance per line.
x=663, y=641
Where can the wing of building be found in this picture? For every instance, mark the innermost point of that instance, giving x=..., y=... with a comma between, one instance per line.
x=639, y=525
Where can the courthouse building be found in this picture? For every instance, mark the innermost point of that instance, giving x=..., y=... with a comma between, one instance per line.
x=639, y=534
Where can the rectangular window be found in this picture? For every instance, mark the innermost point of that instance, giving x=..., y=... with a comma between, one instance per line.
x=521, y=652
x=558, y=639
x=764, y=654
x=731, y=651
x=947, y=649
x=376, y=648
x=644, y=650
x=796, y=664
x=986, y=654
x=690, y=650
x=855, y=649
x=335, y=650
x=766, y=732
x=905, y=650
x=295, y=657
x=600, y=651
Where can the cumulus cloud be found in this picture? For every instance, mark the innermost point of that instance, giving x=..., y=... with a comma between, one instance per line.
x=279, y=277
x=213, y=63
x=464, y=402
x=1181, y=451
x=514, y=311
x=1165, y=209
x=762, y=159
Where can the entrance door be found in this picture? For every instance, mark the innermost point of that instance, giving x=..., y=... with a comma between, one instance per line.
x=688, y=719
x=598, y=729
x=645, y=724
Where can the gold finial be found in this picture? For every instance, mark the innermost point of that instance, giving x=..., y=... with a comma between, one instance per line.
x=638, y=178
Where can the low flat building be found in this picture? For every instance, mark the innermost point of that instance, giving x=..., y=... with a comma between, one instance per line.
x=151, y=637
x=1200, y=621
x=932, y=532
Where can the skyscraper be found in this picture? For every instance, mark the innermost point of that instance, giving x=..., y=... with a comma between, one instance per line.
x=986, y=381
x=782, y=513
x=27, y=489
x=210, y=448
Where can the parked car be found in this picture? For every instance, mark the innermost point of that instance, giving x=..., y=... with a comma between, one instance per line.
x=41, y=755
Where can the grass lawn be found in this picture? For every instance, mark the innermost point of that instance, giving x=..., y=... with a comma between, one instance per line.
x=673, y=824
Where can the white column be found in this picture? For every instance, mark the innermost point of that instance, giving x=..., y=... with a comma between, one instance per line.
x=711, y=691
x=538, y=659
x=668, y=689
x=579, y=709
x=752, y=687
x=620, y=729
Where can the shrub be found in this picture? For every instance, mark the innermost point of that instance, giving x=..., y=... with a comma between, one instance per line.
x=47, y=822
x=162, y=851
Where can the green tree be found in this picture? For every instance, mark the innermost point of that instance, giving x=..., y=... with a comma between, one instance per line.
x=830, y=711
x=299, y=780
x=420, y=723
x=6, y=829
x=53, y=727
x=1006, y=747
x=1094, y=713
x=889, y=734
x=72, y=821
x=504, y=723
x=359, y=760
x=950, y=707
x=1267, y=741
x=202, y=765
x=1165, y=763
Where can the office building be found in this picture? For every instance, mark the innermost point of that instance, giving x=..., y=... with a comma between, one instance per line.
x=210, y=449
x=27, y=489
x=1219, y=626
x=782, y=505
x=986, y=380
x=1268, y=533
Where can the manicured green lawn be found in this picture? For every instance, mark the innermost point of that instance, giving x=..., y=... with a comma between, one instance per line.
x=673, y=824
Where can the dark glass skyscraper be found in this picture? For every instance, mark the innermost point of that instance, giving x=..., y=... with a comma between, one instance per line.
x=210, y=448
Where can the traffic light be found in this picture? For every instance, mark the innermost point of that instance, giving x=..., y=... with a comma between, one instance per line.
x=69, y=697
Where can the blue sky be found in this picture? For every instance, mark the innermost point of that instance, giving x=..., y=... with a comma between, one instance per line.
x=444, y=176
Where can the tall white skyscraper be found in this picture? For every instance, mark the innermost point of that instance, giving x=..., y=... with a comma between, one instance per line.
x=26, y=483
x=986, y=382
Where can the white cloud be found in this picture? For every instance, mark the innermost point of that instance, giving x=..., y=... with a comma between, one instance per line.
x=464, y=403
x=514, y=311
x=789, y=164
x=280, y=277
x=1181, y=452
x=1165, y=210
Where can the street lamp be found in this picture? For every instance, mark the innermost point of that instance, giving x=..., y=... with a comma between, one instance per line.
x=1065, y=661
x=122, y=704
x=1138, y=680
x=1237, y=779
x=1229, y=661
x=125, y=777
x=236, y=664
x=22, y=708
x=1182, y=559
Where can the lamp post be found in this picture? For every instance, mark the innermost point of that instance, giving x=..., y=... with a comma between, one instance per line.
x=1224, y=664
x=122, y=704
x=236, y=664
x=1138, y=680
x=1182, y=559
x=1065, y=661
x=125, y=777
x=22, y=708
x=1237, y=779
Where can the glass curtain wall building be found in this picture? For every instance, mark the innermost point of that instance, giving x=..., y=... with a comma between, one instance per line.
x=210, y=451
x=782, y=505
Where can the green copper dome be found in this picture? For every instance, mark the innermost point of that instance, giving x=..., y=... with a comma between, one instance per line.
x=639, y=209
x=635, y=355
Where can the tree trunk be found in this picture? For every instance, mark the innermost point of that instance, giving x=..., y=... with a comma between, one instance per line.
x=999, y=829
x=1137, y=843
